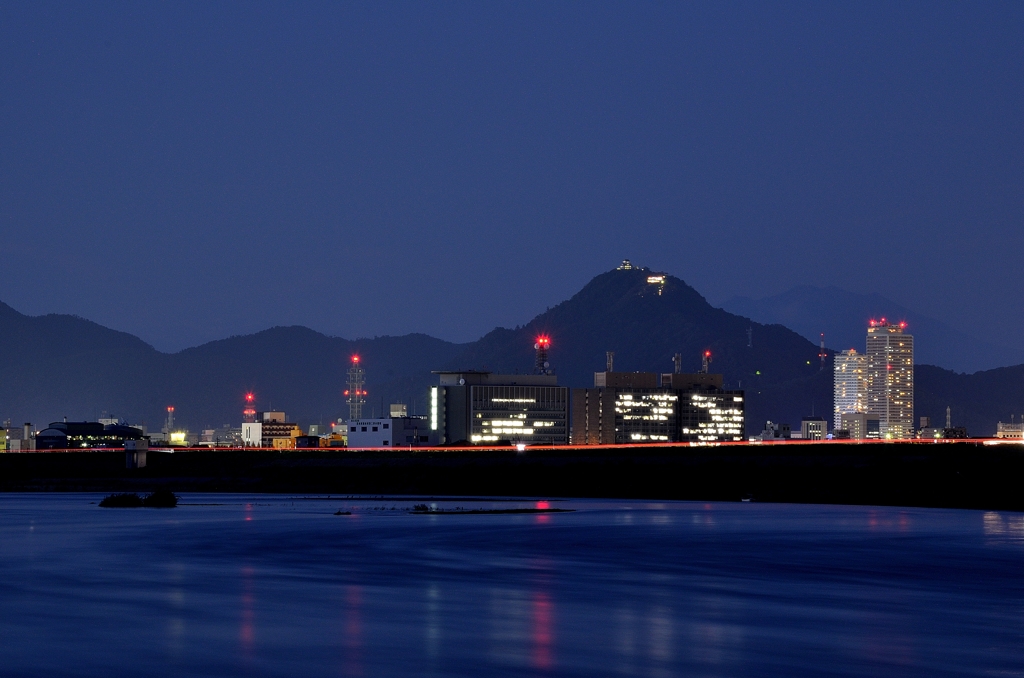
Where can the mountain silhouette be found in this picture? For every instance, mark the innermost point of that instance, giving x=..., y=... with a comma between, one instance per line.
x=57, y=365
x=843, y=317
x=620, y=311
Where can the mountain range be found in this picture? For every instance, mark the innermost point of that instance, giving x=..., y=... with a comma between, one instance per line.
x=57, y=365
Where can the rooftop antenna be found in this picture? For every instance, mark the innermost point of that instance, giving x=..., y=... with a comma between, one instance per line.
x=706, y=362
x=678, y=360
x=356, y=392
x=609, y=361
x=541, y=365
x=821, y=354
x=750, y=337
x=948, y=424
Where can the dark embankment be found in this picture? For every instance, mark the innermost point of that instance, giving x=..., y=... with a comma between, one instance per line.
x=951, y=475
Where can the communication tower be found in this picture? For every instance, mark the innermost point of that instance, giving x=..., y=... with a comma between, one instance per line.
x=356, y=393
x=677, y=360
x=541, y=365
x=249, y=413
x=169, y=424
x=706, y=363
x=821, y=353
x=609, y=361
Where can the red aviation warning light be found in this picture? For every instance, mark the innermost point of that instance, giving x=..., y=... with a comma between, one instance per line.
x=355, y=360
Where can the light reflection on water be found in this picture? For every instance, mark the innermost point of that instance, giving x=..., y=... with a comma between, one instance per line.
x=281, y=586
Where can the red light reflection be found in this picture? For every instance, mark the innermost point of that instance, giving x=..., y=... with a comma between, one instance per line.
x=543, y=633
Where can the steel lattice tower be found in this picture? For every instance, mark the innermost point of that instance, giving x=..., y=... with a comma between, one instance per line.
x=541, y=364
x=356, y=393
x=249, y=413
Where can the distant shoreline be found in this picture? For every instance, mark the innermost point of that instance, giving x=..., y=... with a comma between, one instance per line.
x=950, y=475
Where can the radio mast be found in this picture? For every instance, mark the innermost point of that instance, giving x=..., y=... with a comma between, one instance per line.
x=356, y=393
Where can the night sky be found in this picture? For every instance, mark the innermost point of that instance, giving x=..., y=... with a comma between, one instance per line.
x=187, y=172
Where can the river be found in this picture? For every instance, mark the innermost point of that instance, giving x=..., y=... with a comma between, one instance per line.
x=270, y=585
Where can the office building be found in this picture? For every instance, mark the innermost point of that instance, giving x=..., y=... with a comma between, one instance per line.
x=890, y=378
x=391, y=432
x=850, y=385
x=632, y=407
x=859, y=426
x=625, y=407
x=491, y=409
x=813, y=428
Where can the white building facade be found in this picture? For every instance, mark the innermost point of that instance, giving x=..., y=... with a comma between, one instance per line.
x=890, y=379
x=391, y=432
x=849, y=384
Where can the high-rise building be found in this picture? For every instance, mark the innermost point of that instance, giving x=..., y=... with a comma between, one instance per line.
x=849, y=385
x=890, y=378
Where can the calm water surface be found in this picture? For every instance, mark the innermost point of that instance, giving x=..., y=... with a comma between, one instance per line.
x=279, y=586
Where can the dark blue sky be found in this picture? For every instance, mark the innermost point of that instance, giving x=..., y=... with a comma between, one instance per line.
x=190, y=171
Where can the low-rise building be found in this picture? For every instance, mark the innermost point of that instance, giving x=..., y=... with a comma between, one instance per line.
x=63, y=435
x=774, y=431
x=813, y=428
x=861, y=426
x=252, y=434
x=1011, y=430
x=21, y=439
x=270, y=431
x=391, y=432
x=225, y=436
